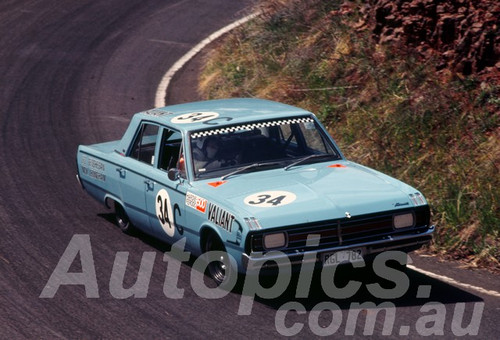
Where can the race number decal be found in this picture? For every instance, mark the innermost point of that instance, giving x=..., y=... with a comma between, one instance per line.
x=164, y=212
x=270, y=199
x=195, y=117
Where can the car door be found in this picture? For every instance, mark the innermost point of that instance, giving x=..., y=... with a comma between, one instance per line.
x=135, y=176
x=165, y=198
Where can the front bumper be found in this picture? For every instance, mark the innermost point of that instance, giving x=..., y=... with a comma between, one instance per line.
x=406, y=243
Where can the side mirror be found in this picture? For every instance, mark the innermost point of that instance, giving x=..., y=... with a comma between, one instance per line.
x=173, y=174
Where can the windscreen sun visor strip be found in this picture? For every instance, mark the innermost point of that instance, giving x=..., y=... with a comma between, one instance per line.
x=249, y=127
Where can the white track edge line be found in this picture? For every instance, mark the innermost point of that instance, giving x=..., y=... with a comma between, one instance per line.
x=455, y=282
x=161, y=92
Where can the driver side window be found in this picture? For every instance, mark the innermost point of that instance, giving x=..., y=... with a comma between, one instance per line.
x=171, y=154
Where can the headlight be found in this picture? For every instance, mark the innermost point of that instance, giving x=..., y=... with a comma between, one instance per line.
x=403, y=221
x=276, y=240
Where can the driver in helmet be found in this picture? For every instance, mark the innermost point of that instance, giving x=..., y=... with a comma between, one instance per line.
x=206, y=158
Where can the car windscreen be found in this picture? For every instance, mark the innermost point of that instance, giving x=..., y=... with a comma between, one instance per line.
x=277, y=143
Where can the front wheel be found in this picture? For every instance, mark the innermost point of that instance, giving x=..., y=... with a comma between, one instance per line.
x=217, y=268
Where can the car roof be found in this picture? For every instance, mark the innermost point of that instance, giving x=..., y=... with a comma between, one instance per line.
x=230, y=112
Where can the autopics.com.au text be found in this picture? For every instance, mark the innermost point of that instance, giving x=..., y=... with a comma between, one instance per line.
x=292, y=317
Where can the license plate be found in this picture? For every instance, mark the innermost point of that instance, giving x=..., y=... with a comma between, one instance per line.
x=343, y=256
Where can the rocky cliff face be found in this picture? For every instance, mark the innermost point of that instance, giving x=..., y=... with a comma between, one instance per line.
x=464, y=35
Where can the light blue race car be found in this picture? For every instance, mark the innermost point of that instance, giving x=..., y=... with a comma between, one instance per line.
x=256, y=180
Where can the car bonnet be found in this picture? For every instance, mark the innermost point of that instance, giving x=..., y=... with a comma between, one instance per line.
x=307, y=193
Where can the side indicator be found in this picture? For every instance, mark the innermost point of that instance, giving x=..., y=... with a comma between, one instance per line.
x=337, y=166
x=216, y=184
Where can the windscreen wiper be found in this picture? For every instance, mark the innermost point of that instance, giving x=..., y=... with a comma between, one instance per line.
x=302, y=160
x=248, y=167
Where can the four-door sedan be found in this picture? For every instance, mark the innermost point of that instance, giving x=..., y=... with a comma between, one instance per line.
x=255, y=179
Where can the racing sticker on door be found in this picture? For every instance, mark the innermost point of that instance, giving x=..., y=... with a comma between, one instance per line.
x=164, y=212
x=194, y=117
x=270, y=199
x=196, y=202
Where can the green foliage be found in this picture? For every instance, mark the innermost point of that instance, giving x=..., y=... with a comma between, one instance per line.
x=385, y=107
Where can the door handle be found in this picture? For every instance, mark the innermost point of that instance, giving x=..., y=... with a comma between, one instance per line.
x=122, y=172
x=150, y=185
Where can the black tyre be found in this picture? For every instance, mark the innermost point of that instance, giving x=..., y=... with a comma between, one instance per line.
x=217, y=269
x=122, y=219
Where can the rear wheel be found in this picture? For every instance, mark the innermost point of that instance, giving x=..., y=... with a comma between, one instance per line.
x=122, y=219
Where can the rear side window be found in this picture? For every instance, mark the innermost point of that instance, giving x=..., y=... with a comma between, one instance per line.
x=144, y=145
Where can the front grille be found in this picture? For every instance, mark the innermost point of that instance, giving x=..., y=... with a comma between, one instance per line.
x=344, y=232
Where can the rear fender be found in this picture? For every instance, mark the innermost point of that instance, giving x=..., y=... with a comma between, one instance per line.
x=109, y=199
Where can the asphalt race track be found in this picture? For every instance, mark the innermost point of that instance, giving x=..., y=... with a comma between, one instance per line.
x=73, y=72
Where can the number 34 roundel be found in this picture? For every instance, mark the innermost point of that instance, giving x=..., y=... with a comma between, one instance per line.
x=164, y=212
x=270, y=199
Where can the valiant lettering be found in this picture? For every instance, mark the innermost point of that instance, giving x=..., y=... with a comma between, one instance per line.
x=220, y=217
